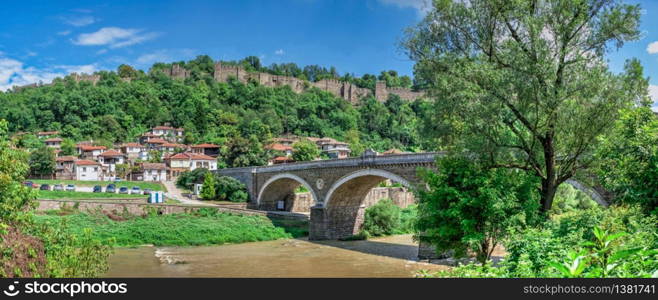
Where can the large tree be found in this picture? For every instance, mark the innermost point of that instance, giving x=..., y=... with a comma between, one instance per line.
x=524, y=84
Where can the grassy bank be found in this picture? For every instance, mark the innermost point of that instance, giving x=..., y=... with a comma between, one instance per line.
x=85, y=195
x=205, y=227
x=156, y=186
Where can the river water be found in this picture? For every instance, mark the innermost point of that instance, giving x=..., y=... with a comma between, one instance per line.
x=393, y=256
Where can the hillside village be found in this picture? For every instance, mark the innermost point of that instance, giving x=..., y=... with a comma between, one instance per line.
x=135, y=161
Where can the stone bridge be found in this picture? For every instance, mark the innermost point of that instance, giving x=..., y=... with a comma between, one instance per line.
x=338, y=187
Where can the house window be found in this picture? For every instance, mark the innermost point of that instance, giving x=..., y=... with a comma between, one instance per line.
x=95, y=169
x=84, y=169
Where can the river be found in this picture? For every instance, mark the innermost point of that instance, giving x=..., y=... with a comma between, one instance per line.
x=393, y=256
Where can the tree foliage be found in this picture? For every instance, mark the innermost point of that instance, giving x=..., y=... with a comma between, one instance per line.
x=472, y=208
x=305, y=150
x=208, y=188
x=525, y=84
x=629, y=159
x=42, y=161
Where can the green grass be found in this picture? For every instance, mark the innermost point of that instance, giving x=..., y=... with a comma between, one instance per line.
x=84, y=195
x=206, y=227
x=141, y=184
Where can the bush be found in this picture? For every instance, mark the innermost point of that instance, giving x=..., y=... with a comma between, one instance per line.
x=575, y=238
x=187, y=179
x=230, y=189
x=382, y=218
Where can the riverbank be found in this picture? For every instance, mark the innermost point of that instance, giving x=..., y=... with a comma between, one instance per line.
x=202, y=227
x=392, y=256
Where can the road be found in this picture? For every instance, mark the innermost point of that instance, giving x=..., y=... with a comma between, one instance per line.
x=175, y=193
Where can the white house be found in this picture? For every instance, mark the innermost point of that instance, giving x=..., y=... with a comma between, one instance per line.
x=53, y=142
x=187, y=161
x=153, y=172
x=132, y=150
x=109, y=159
x=87, y=170
x=90, y=152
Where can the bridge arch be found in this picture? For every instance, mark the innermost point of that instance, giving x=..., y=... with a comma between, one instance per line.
x=341, y=214
x=279, y=188
x=367, y=179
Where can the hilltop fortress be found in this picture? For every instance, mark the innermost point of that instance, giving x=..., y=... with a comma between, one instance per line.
x=345, y=90
x=222, y=72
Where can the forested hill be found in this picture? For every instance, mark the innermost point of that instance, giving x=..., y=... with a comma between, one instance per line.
x=126, y=103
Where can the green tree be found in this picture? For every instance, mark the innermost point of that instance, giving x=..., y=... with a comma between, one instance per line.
x=208, y=188
x=242, y=152
x=472, y=208
x=230, y=189
x=42, y=161
x=305, y=150
x=629, y=159
x=123, y=170
x=68, y=147
x=525, y=84
x=14, y=196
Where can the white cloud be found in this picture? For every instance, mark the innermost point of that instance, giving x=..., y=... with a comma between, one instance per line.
x=653, y=93
x=421, y=6
x=88, y=69
x=114, y=37
x=14, y=72
x=164, y=55
x=65, y=32
x=279, y=52
x=653, y=48
x=79, y=21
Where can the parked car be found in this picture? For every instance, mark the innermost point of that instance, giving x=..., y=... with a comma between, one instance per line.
x=98, y=189
x=71, y=188
x=45, y=187
x=111, y=188
x=136, y=190
x=28, y=184
x=58, y=187
x=123, y=190
x=147, y=191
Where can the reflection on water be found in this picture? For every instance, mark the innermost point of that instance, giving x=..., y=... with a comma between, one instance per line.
x=383, y=257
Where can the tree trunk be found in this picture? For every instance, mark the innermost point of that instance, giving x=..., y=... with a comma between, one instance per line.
x=548, y=189
x=549, y=183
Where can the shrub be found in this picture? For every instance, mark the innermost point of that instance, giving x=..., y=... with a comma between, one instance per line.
x=616, y=242
x=208, y=189
x=382, y=218
x=230, y=189
x=189, y=178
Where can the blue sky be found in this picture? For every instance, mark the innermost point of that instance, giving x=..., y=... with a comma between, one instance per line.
x=40, y=40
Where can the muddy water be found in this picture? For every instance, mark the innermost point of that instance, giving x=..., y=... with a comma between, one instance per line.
x=383, y=257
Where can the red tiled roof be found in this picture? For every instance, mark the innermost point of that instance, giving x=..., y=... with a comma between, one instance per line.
x=110, y=153
x=283, y=158
x=53, y=140
x=132, y=145
x=154, y=166
x=205, y=146
x=47, y=132
x=174, y=145
x=163, y=128
x=191, y=156
x=85, y=162
x=91, y=148
x=156, y=141
x=278, y=147
x=66, y=158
